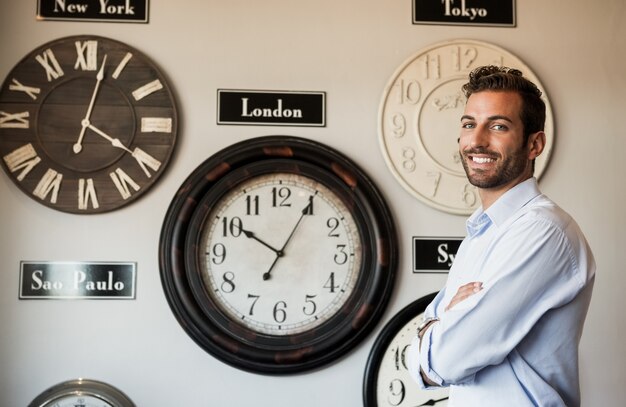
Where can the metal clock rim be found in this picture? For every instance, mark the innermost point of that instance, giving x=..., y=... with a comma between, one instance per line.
x=173, y=266
x=78, y=387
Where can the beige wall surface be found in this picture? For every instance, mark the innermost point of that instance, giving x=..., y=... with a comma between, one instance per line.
x=348, y=49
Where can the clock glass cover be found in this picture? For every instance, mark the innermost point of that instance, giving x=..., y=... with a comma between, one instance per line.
x=286, y=270
x=82, y=393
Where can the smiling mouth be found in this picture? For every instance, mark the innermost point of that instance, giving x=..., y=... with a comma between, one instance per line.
x=482, y=160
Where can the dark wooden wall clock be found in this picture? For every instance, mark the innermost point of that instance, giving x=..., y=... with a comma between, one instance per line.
x=87, y=124
x=278, y=255
x=387, y=382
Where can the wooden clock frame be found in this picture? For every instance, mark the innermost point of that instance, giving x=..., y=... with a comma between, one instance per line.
x=234, y=343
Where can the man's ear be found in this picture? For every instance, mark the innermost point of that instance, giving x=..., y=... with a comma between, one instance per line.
x=536, y=144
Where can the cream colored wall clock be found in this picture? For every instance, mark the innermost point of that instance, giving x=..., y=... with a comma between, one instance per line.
x=419, y=121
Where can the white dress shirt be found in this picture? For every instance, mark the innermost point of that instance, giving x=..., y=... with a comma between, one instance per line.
x=515, y=342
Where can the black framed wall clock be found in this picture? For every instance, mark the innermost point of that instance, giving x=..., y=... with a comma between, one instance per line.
x=387, y=382
x=83, y=393
x=87, y=124
x=278, y=255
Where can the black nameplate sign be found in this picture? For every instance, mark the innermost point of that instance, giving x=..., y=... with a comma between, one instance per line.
x=77, y=280
x=271, y=108
x=464, y=12
x=121, y=11
x=434, y=255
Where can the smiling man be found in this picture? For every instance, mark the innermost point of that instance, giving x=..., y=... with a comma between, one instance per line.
x=505, y=329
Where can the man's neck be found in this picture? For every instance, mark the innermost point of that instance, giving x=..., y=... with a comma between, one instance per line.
x=488, y=196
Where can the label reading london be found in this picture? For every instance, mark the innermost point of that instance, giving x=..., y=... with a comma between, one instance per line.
x=271, y=108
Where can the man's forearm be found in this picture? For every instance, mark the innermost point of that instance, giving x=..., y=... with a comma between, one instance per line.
x=464, y=292
x=420, y=335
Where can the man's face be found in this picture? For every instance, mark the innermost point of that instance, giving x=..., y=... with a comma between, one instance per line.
x=492, y=141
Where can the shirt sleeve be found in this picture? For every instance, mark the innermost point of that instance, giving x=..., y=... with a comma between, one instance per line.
x=533, y=269
x=413, y=351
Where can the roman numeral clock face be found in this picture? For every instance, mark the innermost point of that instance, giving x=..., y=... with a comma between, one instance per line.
x=87, y=124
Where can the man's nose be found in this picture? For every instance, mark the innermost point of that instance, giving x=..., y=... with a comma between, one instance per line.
x=479, y=137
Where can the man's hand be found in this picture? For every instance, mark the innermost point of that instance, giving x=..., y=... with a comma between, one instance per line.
x=464, y=292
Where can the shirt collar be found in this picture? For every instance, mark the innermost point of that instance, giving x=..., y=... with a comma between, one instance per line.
x=505, y=206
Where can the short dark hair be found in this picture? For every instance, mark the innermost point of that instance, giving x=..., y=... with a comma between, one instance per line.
x=501, y=78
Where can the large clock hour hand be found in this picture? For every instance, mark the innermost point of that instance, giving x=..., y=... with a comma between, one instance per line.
x=308, y=210
x=78, y=146
x=251, y=235
x=114, y=141
x=432, y=402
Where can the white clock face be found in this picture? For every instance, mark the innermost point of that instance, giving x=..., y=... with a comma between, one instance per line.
x=282, y=253
x=395, y=387
x=79, y=400
x=419, y=121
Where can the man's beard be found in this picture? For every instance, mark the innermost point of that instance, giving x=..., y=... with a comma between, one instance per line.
x=509, y=169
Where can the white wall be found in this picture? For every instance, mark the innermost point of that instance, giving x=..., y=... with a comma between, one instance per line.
x=348, y=49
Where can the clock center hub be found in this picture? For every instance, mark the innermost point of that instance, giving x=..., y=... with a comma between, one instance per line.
x=62, y=118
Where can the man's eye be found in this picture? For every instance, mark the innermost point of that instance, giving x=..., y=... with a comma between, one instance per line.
x=467, y=125
x=500, y=127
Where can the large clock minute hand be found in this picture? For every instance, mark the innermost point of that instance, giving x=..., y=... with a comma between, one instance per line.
x=308, y=210
x=78, y=146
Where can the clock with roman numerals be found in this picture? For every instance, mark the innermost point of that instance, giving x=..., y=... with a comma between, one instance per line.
x=278, y=255
x=87, y=124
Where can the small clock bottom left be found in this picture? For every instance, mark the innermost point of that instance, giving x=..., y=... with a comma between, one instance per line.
x=84, y=393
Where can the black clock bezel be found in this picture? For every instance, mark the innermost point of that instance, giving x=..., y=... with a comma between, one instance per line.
x=228, y=340
x=383, y=340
